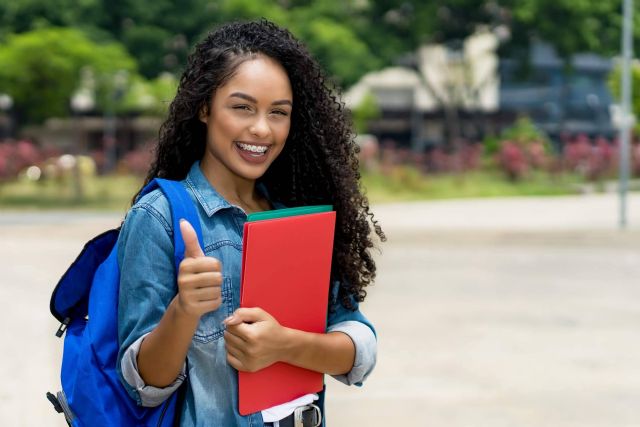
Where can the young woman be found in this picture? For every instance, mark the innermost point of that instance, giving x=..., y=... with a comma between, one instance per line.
x=253, y=127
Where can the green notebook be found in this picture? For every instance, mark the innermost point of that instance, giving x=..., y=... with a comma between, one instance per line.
x=283, y=213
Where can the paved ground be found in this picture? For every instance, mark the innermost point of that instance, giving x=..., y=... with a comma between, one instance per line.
x=519, y=312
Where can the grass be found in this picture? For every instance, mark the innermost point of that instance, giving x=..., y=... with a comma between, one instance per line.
x=402, y=184
x=100, y=193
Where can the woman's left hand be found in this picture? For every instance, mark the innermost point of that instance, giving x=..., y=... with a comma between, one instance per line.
x=254, y=339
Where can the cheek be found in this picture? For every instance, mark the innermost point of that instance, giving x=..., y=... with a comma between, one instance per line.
x=223, y=127
x=283, y=131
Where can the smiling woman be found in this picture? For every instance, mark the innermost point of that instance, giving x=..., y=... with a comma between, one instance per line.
x=248, y=122
x=253, y=126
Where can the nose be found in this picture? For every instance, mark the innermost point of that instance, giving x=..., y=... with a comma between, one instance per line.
x=260, y=128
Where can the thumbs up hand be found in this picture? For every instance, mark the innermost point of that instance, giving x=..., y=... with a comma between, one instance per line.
x=199, y=277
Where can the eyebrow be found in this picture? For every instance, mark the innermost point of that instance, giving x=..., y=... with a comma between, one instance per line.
x=255, y=101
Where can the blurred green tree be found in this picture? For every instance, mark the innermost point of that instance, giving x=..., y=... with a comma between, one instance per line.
x=41, y=70
x=365, y=112
x=349, y=37
x=571, y=26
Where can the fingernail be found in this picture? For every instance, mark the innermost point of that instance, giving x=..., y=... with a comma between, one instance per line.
x=227, y=320
x=182, y=220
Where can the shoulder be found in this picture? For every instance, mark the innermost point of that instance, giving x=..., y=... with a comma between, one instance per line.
x=146, y=232
x=154, y=207
x=148, y=220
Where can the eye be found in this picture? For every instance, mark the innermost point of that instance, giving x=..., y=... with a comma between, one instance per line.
x=280, y=112
x=242, y=107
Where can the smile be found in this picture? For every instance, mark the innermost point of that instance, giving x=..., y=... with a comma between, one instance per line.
x=253, y=149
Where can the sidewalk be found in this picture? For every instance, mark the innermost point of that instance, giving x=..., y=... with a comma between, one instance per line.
x=489, y=313
x=563, y=213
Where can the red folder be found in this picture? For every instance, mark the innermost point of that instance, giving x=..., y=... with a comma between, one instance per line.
x=286, y=267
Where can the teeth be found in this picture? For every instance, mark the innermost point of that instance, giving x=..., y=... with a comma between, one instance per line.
x=253, y=148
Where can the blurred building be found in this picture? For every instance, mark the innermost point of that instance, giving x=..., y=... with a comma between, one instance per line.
x=86, y=134
x=560, y=101
x=464, y=94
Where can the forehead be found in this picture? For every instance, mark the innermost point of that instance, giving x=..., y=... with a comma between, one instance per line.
x=261, y=77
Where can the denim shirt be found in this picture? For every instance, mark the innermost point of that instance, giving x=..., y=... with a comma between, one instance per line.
x=148, y=284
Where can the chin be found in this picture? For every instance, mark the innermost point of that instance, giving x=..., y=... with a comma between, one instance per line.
x=252, y=173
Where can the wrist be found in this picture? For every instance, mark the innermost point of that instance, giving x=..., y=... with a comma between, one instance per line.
x=182, y=316
x=293, y=343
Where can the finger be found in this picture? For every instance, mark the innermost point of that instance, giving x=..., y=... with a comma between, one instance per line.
x=246, y=315
x=204, y=294
x=200, y=265
x=234, y=340
x=192, y=247
x=241, y=331
x=232, y=321
x=235, y=362
x=234, y=351
x=192, y=305
x=208, y=306
x=200, y=280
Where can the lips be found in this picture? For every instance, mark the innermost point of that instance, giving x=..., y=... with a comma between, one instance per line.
x=252, y=153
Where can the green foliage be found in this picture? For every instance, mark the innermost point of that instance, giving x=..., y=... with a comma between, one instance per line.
x=524, y=131
x=100, y=193
x=321, y=26
x=337, y=48
x=615, y=86
x=231, y=10
x=365, y=112
x=147, y=42
x=40, y=69
x=149, y=96
x=18, y=16
x=570, y=25
x=349, y=37
x=491, y=145
x=405, y=183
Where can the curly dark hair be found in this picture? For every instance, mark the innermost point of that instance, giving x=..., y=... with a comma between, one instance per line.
x=318, y=164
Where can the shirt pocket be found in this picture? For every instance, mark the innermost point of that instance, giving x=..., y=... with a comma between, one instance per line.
x=211, y=327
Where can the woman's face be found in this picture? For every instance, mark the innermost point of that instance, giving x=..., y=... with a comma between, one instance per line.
x=248, y=120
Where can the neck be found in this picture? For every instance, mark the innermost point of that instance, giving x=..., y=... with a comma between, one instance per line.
x=234, y=189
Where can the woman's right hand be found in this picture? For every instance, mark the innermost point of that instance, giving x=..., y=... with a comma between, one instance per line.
x=199, y=277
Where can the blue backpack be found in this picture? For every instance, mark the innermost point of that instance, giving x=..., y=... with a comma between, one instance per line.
x=85, y=301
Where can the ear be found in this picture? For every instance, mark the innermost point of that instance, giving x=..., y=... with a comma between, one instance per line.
x=203, y=114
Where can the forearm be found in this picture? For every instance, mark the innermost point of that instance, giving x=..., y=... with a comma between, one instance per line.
x=332, y=353
x=164, y=350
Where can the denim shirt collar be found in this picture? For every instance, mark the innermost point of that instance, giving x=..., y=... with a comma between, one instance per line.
x=210, y=200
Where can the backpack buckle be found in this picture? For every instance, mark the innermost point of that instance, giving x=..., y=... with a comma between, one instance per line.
x=54, y=401
x=61, y=406
x=63, y=327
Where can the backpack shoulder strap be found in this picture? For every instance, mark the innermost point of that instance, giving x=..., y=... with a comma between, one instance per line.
x=182, y=207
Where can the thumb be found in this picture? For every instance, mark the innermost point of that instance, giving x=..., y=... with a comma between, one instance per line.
x=246, y=315
x=192, y=247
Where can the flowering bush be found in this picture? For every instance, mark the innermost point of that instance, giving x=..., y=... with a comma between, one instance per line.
x=16, y=156
x=521, y=148
x=513, y=160
x=467, y=157
x=137, y=161
x=635, y=159
x=592, y=160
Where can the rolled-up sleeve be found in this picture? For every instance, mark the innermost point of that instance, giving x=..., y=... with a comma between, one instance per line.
x=149, y=396
x=365, y=345
x=354, y=324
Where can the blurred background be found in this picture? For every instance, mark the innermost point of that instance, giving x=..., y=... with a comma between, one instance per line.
x=449, y=99
x=490, y=150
